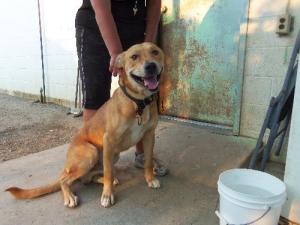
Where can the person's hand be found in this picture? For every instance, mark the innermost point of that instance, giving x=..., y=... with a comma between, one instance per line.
x=112, y=65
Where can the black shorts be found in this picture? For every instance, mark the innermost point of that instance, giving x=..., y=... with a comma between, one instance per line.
x=93, y=63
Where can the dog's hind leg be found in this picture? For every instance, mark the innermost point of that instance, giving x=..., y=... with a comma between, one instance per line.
x=100, y=180
x=96, y=174
x=80, y=160
x=93, y=175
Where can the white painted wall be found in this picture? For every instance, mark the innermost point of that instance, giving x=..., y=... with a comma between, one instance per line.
x=20, y=55
x=291, y=210
x=58, y=19
x=20, y=61
x=266, y=61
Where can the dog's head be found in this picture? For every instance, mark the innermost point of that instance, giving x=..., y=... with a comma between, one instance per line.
x=141, y=67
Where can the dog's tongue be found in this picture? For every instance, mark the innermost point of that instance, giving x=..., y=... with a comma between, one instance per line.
x=151, y=83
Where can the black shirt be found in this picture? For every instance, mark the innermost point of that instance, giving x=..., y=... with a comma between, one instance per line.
x=122, y=10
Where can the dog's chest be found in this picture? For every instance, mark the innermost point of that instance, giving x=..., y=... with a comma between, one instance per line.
x=140, y=126
x=136, y=130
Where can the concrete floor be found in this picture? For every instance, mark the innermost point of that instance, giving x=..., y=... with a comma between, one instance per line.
x=188, y=194
x=27, y=127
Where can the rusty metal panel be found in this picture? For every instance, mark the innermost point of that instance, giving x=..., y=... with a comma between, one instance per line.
x=204, y=50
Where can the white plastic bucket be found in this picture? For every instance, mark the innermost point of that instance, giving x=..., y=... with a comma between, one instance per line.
x=250, y=197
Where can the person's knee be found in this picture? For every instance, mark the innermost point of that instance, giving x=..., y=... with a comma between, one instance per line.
x=88, y=114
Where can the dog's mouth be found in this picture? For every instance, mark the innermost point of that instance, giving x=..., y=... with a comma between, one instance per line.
x=150, y=82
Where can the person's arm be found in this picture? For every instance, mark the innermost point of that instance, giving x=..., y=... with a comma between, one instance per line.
x=153, y=17
x=108, y=29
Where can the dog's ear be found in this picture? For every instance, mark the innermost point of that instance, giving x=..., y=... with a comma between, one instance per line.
x=120, y=61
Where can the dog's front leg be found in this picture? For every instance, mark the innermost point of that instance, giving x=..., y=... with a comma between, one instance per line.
x=107, y=198
x=148, y=144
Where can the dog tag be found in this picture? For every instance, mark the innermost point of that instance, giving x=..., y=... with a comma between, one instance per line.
x=139, y=119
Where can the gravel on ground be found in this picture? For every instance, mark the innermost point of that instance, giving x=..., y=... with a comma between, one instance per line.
x=27, y=127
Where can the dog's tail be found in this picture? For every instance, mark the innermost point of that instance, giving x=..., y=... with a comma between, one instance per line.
x=20, y=193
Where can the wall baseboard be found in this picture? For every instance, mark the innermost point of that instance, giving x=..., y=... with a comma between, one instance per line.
x=35, y=97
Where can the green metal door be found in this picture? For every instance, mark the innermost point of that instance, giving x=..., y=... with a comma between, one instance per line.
x=204, y=42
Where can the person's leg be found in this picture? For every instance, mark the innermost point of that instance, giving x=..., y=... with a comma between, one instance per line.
x=159, y=168
x=88, y=114
x=139, y=148
x=93, y=63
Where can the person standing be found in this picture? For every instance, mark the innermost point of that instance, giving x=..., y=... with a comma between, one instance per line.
x=104, y=29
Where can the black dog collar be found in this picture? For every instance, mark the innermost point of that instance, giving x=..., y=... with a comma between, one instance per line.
x=141, y=104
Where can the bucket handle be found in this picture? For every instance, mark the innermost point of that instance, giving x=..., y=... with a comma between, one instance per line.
x=223, y=221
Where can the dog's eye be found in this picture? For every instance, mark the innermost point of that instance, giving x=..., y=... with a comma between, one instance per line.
x=134, y=57
x=154, y=52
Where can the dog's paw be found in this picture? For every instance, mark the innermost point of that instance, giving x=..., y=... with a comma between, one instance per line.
x=71, y=201
x=107, y=200
x=154, y=183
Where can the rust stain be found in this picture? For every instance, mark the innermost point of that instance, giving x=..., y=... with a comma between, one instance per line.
x=189, y=84
x=173, y=48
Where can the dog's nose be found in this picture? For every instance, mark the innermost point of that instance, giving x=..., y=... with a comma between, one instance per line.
x=150, y=68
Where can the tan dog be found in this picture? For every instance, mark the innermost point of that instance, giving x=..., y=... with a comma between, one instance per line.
x=129, y=116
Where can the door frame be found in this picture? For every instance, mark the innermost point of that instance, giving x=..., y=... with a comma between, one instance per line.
x=240, y=70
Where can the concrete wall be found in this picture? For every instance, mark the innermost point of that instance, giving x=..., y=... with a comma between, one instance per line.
x=291, y=210
x=20, y=61
x=58, y=19
x=267, y=57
